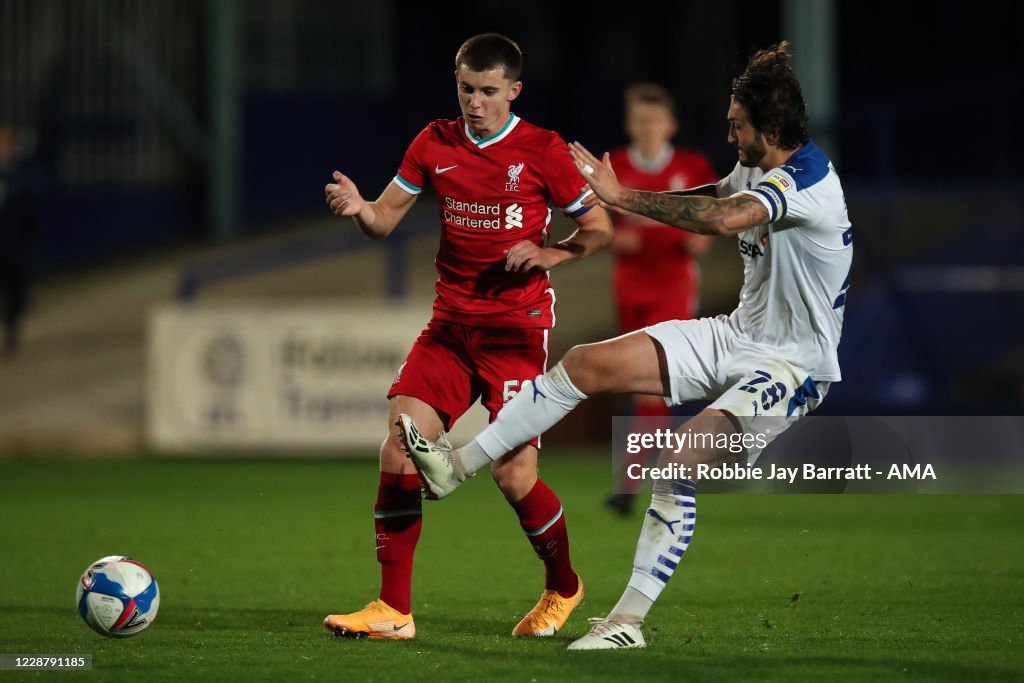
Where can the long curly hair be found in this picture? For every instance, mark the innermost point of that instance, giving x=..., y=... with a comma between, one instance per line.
x=770, y=92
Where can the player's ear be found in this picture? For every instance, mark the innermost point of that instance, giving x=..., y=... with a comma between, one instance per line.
x=514, y=91
x=771, y=137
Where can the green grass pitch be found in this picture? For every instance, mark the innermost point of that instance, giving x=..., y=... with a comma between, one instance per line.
x=250, y=555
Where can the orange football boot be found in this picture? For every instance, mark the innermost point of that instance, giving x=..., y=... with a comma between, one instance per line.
x=378, y=621
x=550, y=614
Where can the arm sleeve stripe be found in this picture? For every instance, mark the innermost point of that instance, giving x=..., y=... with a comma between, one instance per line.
x=772, y=190
x=406, y=185
x=575, y=207
x=767, y=200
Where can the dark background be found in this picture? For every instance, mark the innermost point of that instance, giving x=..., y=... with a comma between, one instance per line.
x=113, y=100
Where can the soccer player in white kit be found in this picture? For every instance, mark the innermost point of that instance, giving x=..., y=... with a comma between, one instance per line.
x=767, y=364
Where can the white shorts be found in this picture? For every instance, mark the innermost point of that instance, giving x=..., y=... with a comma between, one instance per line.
x=710, y=359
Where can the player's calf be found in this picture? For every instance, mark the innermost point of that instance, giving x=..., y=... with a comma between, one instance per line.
x=515, y=473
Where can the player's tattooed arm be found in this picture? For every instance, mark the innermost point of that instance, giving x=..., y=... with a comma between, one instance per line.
x=709, y=190
x=701, y=214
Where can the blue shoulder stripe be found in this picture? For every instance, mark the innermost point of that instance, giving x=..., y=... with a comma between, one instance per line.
x=807, y=166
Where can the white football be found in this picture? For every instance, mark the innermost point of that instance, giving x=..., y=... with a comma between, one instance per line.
x=117, y=596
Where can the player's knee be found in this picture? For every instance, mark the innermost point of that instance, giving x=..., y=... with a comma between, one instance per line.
x=514, y=478
x=584, y=373
x=392, y=457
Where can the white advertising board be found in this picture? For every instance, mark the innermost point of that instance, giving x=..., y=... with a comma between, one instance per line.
x=272, y=377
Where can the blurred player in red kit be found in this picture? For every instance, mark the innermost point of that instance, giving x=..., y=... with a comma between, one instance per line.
x=656, y=273
x=495, y=176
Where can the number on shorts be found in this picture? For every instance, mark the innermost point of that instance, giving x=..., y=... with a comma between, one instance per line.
x=511, y=388
x=751, y=386
x=772, y=395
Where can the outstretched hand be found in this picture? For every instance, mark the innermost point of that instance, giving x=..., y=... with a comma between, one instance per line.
x=343, y=196
x=600, y=178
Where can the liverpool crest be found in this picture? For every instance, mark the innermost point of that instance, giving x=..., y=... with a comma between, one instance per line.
x=513, y=177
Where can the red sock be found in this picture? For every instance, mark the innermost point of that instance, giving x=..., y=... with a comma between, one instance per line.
x=541, y=516
x=397, y=518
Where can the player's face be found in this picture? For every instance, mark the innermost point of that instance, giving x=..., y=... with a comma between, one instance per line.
x=485, y=98
x=747, y=139
x=649, y=125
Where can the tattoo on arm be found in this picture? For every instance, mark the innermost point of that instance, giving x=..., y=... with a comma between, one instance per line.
x=700, y=214
x=710, y=190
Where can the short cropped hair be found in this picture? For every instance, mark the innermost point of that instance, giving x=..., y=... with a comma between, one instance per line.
x=489, y=51
x=770, y=92
x=649, y=93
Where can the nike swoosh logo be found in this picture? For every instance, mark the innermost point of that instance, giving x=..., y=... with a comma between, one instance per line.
x=399, y=627
x=438, y=170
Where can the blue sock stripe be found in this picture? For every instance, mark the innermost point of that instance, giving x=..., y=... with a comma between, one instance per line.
x=685, y=540
x=686, y=503
x=660, y=575
x=547, y=526
x=667, y=562
x=677, y=551
x=688, y=527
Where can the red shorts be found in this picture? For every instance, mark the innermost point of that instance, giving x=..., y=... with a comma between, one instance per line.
x=451, y=366
x=633, y=317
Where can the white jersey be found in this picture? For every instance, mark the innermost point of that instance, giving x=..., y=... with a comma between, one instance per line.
x=796, y=267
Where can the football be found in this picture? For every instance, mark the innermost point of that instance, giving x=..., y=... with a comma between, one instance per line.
x=117, y=596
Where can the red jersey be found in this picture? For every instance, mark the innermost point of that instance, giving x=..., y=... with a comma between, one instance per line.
x=492, y=194
x=662, y=267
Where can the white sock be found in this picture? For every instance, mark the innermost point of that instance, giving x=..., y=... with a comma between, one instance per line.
x=666, y=533
x=632, y=607
x=473, y=457
x=536, y=408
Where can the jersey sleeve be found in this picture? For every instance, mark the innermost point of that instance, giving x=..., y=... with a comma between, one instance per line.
x=776, y=190
x=412, y=174
x=563, y=181
x=733, y=182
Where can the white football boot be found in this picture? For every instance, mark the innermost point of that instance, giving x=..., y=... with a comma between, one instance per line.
x=437, y=464
x=609, y=635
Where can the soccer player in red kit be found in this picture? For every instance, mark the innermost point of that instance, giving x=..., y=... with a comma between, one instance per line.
x=494, y=175
x=656, y=274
